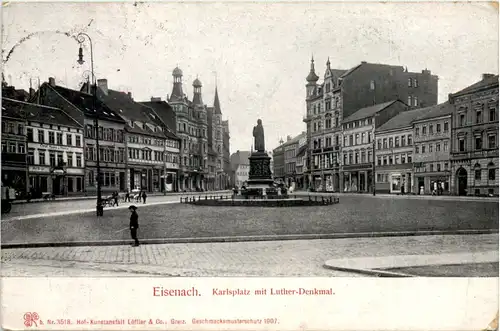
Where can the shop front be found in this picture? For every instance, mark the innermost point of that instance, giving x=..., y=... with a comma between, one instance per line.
x=434, y=183
x=357, y=179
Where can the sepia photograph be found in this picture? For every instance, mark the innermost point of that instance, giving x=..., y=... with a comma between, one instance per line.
x=248, y=139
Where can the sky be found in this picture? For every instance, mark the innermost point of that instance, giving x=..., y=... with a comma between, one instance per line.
x=258, y=54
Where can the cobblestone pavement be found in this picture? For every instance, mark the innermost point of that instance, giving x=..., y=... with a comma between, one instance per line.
x=272, y=258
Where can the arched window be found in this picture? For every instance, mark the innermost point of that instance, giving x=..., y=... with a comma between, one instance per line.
x=477, y=171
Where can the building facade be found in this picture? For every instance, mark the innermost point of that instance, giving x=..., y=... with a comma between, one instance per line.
x=14, y=162
x=394, y=153
x=241, y=166
x=432, y=146
x=79, y=105
x=56, y=162
x=474, y=138
x=358, y=167
x=226, y=156
x=341, y=94
x=279, y=162
x=216, y=144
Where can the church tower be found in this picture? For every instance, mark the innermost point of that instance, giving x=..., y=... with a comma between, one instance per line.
x=177, y=94
x=311, y=79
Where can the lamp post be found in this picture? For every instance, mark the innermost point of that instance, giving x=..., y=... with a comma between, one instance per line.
x=81, y=38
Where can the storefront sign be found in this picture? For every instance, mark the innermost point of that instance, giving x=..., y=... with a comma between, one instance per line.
x=39, y=169
x=75, y=171
x=169, y=165
x=57, y=147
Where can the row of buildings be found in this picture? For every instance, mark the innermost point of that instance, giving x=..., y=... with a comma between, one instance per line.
x=51, y=143
x=379, y=128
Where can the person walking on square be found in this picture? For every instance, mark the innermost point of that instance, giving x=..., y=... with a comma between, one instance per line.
x=127, y=196
x=115, y=197
x=144, y=196
x=134, y=224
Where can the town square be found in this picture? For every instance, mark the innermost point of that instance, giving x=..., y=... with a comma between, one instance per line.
x=199, y=149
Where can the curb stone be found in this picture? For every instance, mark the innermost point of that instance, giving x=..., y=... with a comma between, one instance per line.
x=250, y=238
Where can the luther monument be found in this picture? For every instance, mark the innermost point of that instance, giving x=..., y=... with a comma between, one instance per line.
x=259, y=176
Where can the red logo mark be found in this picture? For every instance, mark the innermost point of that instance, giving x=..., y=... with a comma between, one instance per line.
x=30, y=319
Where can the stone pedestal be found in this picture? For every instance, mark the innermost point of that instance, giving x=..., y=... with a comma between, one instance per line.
x=260, y=171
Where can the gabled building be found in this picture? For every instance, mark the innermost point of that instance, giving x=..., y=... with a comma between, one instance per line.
x=343, y=92
x=85, y=109
x=146, y=142
x=358, y=145
x=14, y=163
x=241, y=165
x=291, y=148
x=394, y=153
x=474, y=138
x=279, y=162
x=432, y=141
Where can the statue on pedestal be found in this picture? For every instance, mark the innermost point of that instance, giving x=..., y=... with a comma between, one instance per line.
x=258, y=133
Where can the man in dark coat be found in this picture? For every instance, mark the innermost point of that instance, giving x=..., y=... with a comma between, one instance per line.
x=134, y=224
x=144, y=196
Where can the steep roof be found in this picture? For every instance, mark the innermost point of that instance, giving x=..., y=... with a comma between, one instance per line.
x=238, y=158
x=302, y=151
x=369, y=111
x=486, y=81
x=217, y=103
x=442, y=109
x=403, y=119
x=166, y=114
x=36, y=113
x=294, y=140
x=84, y=102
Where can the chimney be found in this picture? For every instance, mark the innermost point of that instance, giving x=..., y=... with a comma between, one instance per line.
x=363, y=62
x=486, y=76
x=32, y=92
x=288, y=138
x=103, y=85
x=52, y=81
x=129, y=94
x=154, y=99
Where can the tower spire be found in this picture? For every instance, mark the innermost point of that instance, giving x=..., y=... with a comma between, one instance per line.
x=312, y=77
x=216, y=102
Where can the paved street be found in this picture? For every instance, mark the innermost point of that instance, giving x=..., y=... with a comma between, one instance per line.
x=273, y=258
x=354, y=214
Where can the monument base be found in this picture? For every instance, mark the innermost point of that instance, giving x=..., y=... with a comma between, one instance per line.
x=260, y=182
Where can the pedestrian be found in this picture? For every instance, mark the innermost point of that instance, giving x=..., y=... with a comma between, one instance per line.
x=403, y=188
x=115, y=196
x=144, y=196
x=127, y=196
x=134, y=224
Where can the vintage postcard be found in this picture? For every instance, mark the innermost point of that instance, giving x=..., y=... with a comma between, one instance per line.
x=248, y=165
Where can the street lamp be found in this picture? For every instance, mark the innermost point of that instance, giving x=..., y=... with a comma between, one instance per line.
x=81, y=38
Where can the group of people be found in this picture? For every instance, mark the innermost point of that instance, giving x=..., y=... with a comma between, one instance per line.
x=137, y=197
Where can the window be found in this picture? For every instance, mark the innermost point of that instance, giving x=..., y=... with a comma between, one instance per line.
x=69, y=139
x=462, y=120
x=390, y=142
x=491, y=174
x=492, y=115
x=385, y=143
x=415, y=82
x=423, y=149
x=409, y=82
x=60, y=160
x=403, y=159
x=409, y=98
x=59, y=138
x=20, y=129
x=345, y=158
x=431, y=167
x=417, y=132
x=379, y=144
x=446, y=166
x=52, y=159
x=446, y=126
x=41, y=136
x=445, y=146
x=350, y=158
x=390, y=159
x=417, y=149
x=415, y=101
x=351, y=138
x=477, y=174
x=78, y=141
x=29, y=133
x=379, y=160
x=461, y=145
x=385, y=160
x=396, y=159
x=357, y=138
x=21, y=148
x=396, y=142
x=431, y=129
x=31, y=156
x=424, y=130
x=69, y=160
x=403, y=141
x=438, y=128
x=438, y=167
x=430, y=148
x=41, y=157
x=51, y=138
x=479, y=116
x=438, y=147
x=479, y=142
x=409, y=158
x=491, y=141
x=372, y=85
x=12, y=147
x=356, y=157
x=79, y=160
x=369, y=137
x=363, y=141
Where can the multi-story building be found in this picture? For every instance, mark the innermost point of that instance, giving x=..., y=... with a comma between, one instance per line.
x=394, y=153
x=226, y=155
x=165, y=113
x=431, y=162
x=279, y=162
x=474, y=138
x=192, y=129
x=358, y=144
x=241, y=166
x=291, y=148
x=85, y=109
x=14, y=166
x=341, y=94
x=56, y=162
x=148, y=162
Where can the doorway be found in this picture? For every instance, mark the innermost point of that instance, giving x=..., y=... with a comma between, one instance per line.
x=462, y=181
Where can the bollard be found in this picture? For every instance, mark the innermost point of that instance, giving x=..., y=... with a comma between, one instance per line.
x=205, y=197
x=199, y=198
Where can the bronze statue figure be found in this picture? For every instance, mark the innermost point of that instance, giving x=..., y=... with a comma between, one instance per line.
x=258, y=133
